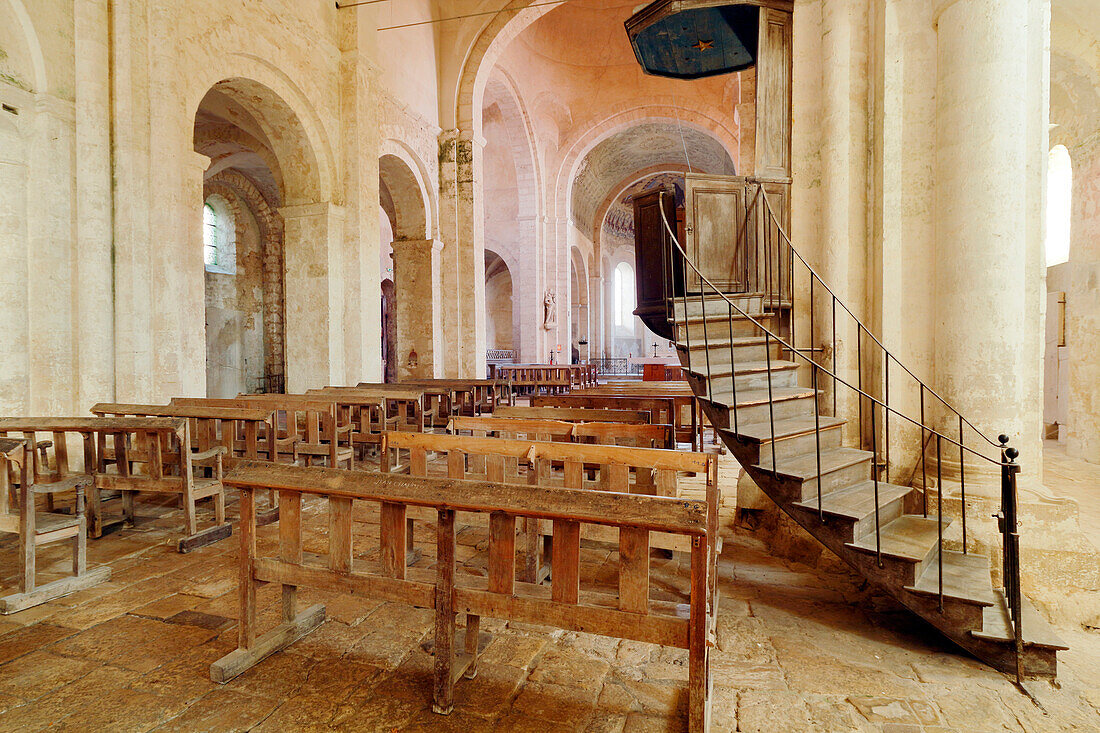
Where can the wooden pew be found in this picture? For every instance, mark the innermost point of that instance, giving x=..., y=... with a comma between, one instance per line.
x=306, y=427
x=636, y=436
x=245, y=432
x=389, y=408
x=36, y=528
x=664, y=407
x=464, y=396
x=679, y=391
x=144, y=455
x=589, y=467
x=571, y=602
x=576, y=414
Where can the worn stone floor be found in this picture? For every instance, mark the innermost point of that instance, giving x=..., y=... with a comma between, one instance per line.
x=798, y=650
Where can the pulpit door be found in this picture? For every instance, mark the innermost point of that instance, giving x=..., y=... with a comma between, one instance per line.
x=715, y=214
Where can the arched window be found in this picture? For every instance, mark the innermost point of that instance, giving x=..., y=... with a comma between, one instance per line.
x=623, y=289
x=218, y=237
x=1059, y=205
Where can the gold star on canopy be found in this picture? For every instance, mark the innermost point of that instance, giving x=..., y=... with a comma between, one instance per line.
x=703, y=45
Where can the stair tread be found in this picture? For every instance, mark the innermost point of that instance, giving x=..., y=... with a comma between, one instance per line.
x=721, y=366
x=719, y=342
x=805, y=466
x=748, y=397
x=697, y=317
x=996, y=625
x=856, y=501
x=965, y=578
x=762, y=432
x=909, y=537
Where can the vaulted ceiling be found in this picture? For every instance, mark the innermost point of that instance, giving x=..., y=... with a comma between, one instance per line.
x=635, y=149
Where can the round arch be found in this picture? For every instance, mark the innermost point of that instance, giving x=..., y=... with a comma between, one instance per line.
x=34, y=48
x=405, y=198
x=497, y=33
x=288, y=120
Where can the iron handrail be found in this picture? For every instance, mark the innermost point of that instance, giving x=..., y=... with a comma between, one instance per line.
x=795, y=350
x=813, y=272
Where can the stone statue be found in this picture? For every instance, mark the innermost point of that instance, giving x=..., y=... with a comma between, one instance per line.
x=550, y=312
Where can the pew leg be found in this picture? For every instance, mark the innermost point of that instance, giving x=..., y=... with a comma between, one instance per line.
x=128, y=515
x=189, y=514
x=219, y=507
x=95, y=512
x=473, y=631
x=80, y=548
x=443, y=686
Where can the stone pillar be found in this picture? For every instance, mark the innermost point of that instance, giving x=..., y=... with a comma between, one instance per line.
x=95, y=374
x=595, y=317
x=988, y=346
x=416, y=277
x=14, y=356
x=462, y=222
x=1083, y=307
x=314, y=295
x=359, y=112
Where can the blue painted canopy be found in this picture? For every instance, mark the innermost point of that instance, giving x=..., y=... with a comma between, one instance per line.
x=671, y=38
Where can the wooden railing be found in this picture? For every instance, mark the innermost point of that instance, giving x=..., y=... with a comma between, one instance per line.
x=568, y=604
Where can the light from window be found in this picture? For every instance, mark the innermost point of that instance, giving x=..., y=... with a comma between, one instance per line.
x=624, y=300
x=218, y=245
x=1059, y=205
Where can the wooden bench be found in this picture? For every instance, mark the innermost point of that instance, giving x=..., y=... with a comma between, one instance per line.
x=458, y=396
x=664, y=408
x=131, y=455
x=390, y=408
x=575, y=414
x=571, y=602
x=679, y=391
x=584, y=467
x=36, y=528
x=245, y=432
x=306, y=428
x=637, y=436
x=538, y=378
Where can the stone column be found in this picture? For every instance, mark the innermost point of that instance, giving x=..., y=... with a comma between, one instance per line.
x=314, y=295
x=595, y=317
x=987, y=312
x=14, y=356
x=92, y=176
x=359, y=112
x=462, y=222
x=416, y=277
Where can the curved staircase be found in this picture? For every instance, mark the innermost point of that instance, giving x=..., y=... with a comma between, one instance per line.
x=760, y=391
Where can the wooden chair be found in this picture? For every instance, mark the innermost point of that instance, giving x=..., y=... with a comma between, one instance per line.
x=36, y=528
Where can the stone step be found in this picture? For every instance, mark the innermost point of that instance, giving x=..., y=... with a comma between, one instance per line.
x=750, y=375
x=997, y=626
x=857, y=503
x=965, y=579
x=909, y=538
x=793, y=437
x=840, y=467
x=763, y=405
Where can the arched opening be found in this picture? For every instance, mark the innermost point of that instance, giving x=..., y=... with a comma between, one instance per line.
x=1059, y=205
x=243, y=249
x=389, y=320
x=410, y=348
x=500, y=324
x=623, y=297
